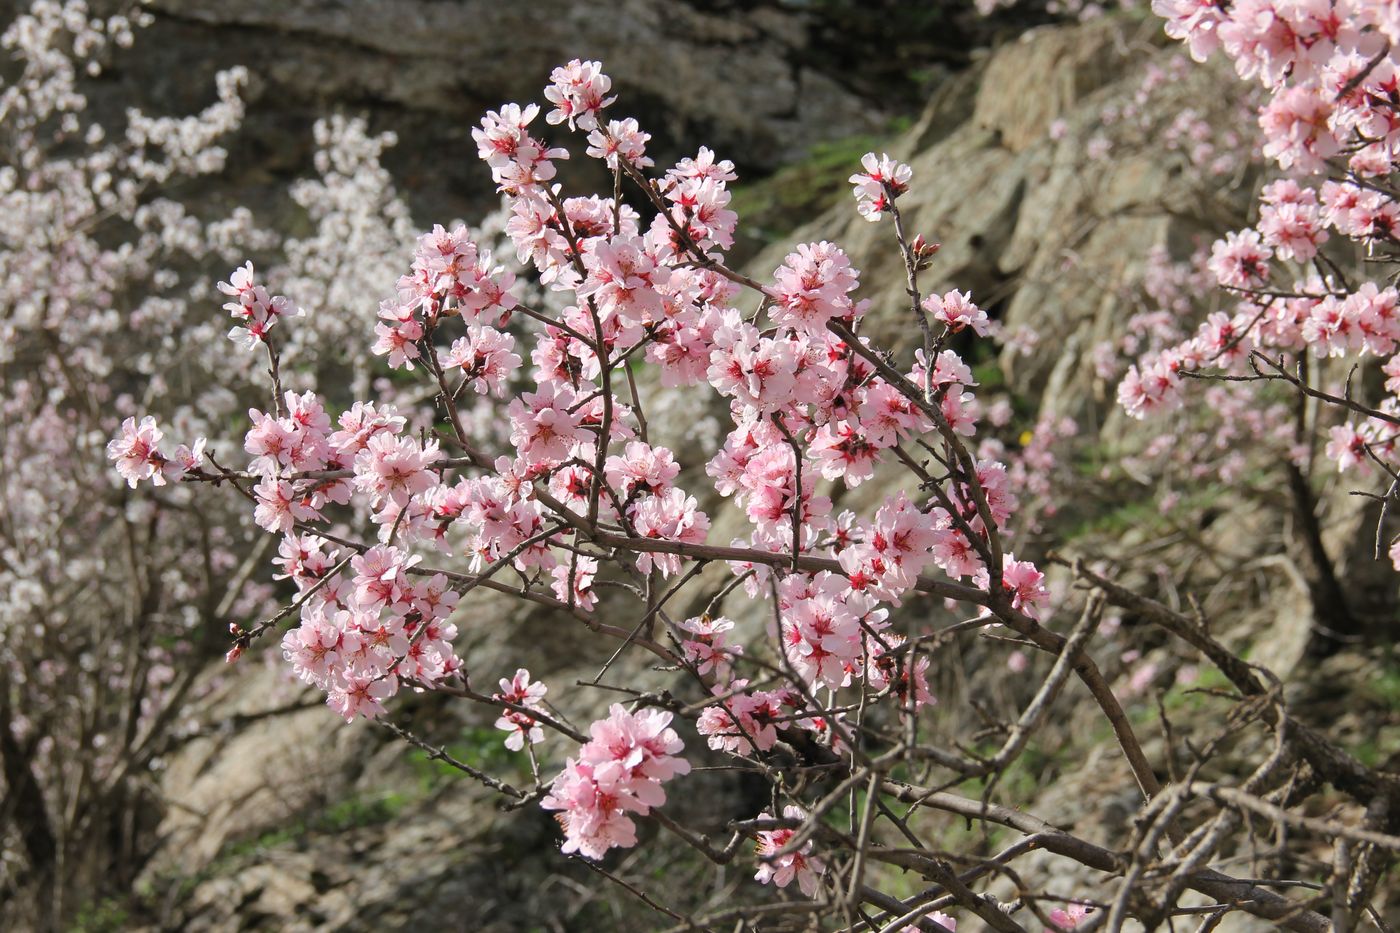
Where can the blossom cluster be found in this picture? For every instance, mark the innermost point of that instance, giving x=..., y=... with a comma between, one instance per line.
x=521, y=691
x=883, y=180
x=359, y=638
x=572, y=488
x=135, y=453
x=783, y=868
x=1330, y=72
x=619, y=771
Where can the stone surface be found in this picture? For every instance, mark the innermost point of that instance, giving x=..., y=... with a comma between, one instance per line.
x=743, y=78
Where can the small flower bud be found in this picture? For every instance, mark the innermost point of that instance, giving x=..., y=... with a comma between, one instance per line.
x=923, y=252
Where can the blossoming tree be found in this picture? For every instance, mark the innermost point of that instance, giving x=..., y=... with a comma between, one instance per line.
x=108, y=594
x=828, y=705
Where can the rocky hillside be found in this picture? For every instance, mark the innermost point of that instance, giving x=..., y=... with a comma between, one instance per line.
x=757, y=80
x=278, y=817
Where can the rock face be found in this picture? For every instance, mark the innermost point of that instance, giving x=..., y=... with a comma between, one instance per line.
x=732, y=75
x=1040, y=231
x=742, y=77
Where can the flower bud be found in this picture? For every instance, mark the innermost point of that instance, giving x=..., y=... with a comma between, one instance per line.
x=923, y=252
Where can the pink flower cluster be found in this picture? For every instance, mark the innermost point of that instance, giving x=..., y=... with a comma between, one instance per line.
x=955, y=310
x=256, y=311
x=812, y=287
x=450, y=277
x=578, y=92
x=782, y=870
x=1290, y=221
x=1240, y=260
x=883, y=180
x=359, y=639
x=1330, y=324
x=135, y=453
x=519, y=163
x=744, y=721
x=707, y=648
x=1359, y=447
x=486, y=358
x=390, y=468
x=618, y=772
x=521, y=727
x=1331, y=74
x=564, y=476
x=621, y=140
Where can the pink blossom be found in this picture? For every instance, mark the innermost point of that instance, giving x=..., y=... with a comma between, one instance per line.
x=313, y=647
x=136, y=452
x=485, y=357
x=305, y=560
x=641, y=469
x=256, y=311
x=362, y=422
x=381, y=579
x=396, y=468
x=519, y=163
x=812, y=287
x=1070, y=916
x=578, y=92
x=619, y=771
x=705, y=165
x=622, y=139
x=883, y=180
x=521, y=691
x=822, y=639
x=890, y=668
x=956, y=310
x=581, y=592
x=700, y=207
x=781, y=870
x=707, y=650
x=184, y=460
x=397, y=334
x=1195, y=21
x=1154, y=388
x=760, y=372
x=594, y=819
x=279, y=506
x=842, y=450
x=361, y=694
x=1296, y=133
x=742, y=722
x=545, y=424
x=1392, y=374
x=625, y=280
x=1346, y=446
x=1023, y=583
x=1240, y=260
x=888, y=416
x=1289, y=221
x=671, y=516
